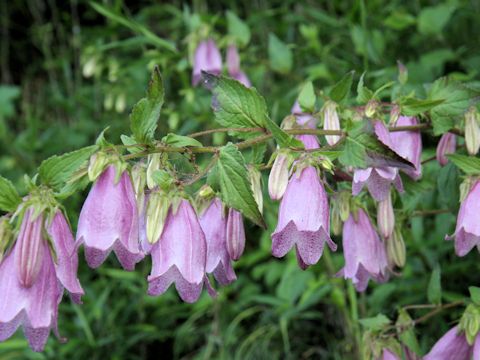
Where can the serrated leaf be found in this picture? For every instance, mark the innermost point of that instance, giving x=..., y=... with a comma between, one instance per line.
x=129, y=141
x=375, y=323
x=279, y=54
x=364, y=94
x=434, y=290
x=468, y=164
x=145, y=113
x=341, y=89
x=180, y=140
x=475, y=294
x=235, y=188
x=9, y=198
x=281, y=137
x=237, y=28
x=407, y=337
x=456, y=100
x=412, y=106
x=57, y=170
x=353, y=154
x=307, y=98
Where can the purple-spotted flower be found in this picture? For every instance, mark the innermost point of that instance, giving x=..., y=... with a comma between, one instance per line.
x=214, y=224
x=408, y=144
x=453, y=346
x=365, y=255
x=446, y=145
x=378, y=179
x=303, y=217
x=32, y=279
x=233, y=66
x=109, y=221
x=235, y=234
x=180, y=255
x=207, y=58
x=467, y=231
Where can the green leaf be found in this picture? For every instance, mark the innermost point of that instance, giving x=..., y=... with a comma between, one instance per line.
x=399, y=20
x=56, y=171
x=180, y=141
x=375, y=323
x=456, y=100
x=237, y=28
x=280, y=55
x=281, y=137
x=468, y=164
x=129, y=141
x=353, y=154
x=9, y=198
x=145, y=113
x=307, y=98
x=407, y=337
x=412, y=106
x=475, y=294
x=434, y=291
x=364, y=94
x=447, y=185
x=433, y=19
x=134, y=26
x=341, y=89
x=235, y=188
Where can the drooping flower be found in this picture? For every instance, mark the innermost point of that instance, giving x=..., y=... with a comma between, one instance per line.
x=180, y=255
x=235, y=234
x=385, y=217
x=109, y=221
x=389, y=355
x=331, y=121
x=214, y=224
x=32, y=283
x=365, y=255
x=408, y=144
x=207, y=58
x=467, y=231
x=233, y=66
x=378, y=179
x=451, y=346
x=446, y=145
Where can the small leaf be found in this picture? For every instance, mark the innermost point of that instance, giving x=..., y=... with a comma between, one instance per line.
x=129, y=141
x=145, y=113
x=353, y=154
x=235, y=189
x=475, y=294
x=434, y=291
x=432, y=19
x=412, y=106
x=407, y=336
x=9, y=198
x=364, y=94
x=341, y=89
x=280, y=55
x=237, y=28
x=56, y=171
x=180, y=141
x=282, y=138
x=375, y=323
x=307, y=98
x=468, y=164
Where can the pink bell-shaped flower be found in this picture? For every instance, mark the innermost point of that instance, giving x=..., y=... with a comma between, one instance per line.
x=109, y=221
x=451, y=346
x=408, y=144
x=233, y=66
x=180, y=255
x=446, y=145
x=467, y=231
x=365, y=255
x=214, y=224
x=207, y=58
x=32, y=283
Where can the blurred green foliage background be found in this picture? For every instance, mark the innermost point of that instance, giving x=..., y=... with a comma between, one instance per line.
x=69, y=69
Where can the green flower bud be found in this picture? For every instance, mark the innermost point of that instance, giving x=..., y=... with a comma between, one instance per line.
x=256, y=184
x=371, y=108
x=472, y=131
x=396, y=251
x=98, y=163
x=402, y=73
x=157, y=211
x=470, y=322
x=139, y=179
x=154, y=163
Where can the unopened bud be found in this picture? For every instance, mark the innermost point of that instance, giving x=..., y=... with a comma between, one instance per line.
x=396, y=249
x=278, y=178
x=157, y=211
x=108, y=102
x=465, y=187
x=89, y=67
x=472, y=131
x=385, y=217
x=288, y=122
x=120, y=103
x=235, y=234
x=139, y=179
x=256, y=185
x=344, y=205
x=98, y=163
x=446, y=145
x=6, y=235
x=336, y=221
x=154, y=162
x=331, y=121
x=394, y=114
x=470, y=322
x=371, y=108
x=402, y=73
